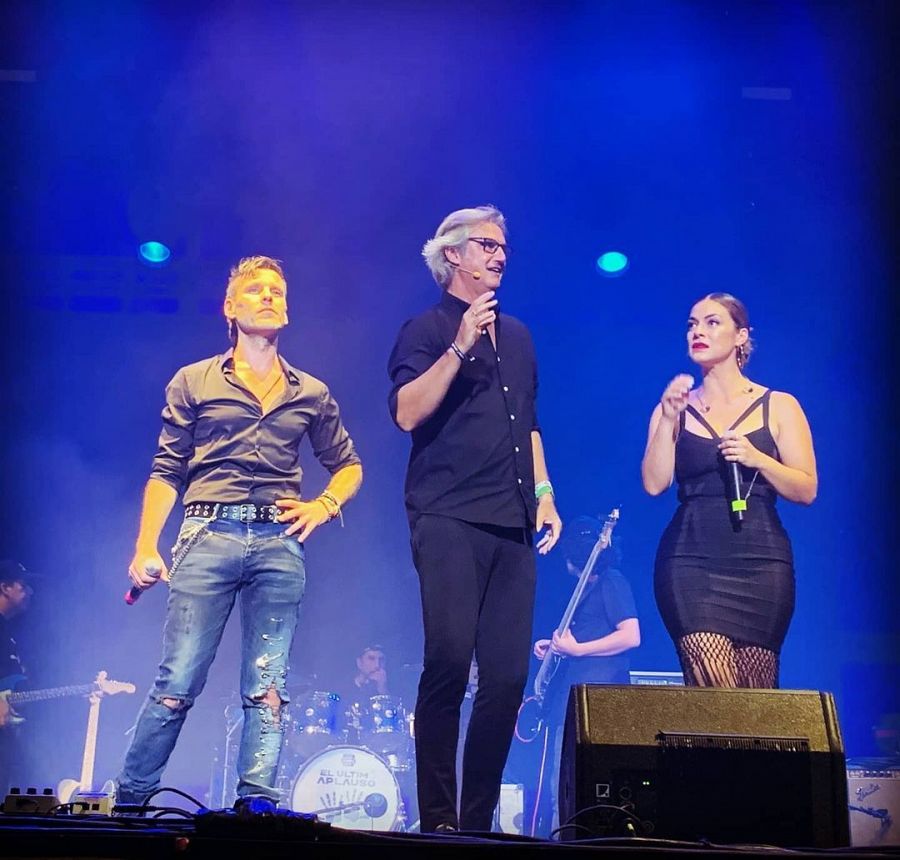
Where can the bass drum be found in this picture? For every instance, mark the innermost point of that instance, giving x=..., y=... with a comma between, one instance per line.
x=349, y=787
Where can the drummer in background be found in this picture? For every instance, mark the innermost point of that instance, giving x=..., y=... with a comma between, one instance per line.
x=370, y=679
x=356, y=696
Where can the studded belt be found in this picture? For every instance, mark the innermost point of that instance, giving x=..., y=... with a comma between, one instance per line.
x=246, y=513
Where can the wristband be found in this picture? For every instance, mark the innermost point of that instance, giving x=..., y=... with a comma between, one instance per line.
x=457, y=351
x=326, y=498
x=542, y=488
x=324, y=504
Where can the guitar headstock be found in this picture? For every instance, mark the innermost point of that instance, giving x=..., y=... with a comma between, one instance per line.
x=608, y=526
x=106, y=687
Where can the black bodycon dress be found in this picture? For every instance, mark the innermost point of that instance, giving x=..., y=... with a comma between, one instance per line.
x=715, y=574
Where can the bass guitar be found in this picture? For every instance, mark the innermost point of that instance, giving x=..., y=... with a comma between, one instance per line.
x=531, y=713
x=68, y=789
x=101, y=686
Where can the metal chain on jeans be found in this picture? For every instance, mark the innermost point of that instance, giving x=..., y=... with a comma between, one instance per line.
x=179, y=553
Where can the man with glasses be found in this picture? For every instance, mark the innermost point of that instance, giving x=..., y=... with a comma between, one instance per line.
x=464, y=385
x=232, y=428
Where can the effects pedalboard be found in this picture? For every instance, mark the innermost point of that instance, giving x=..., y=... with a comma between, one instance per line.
x=32, y=801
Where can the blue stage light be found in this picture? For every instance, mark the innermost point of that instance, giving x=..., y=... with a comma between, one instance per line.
x=154, y=253
x=612, y=264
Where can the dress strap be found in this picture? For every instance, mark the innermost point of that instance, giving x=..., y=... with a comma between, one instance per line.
x=765, y=400
x=761, y=399
x=702, y=420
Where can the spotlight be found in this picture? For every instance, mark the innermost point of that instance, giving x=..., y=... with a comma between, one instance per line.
x=154, y=253
x=612, y=264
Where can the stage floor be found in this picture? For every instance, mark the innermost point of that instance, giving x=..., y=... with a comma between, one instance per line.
x=217, y=834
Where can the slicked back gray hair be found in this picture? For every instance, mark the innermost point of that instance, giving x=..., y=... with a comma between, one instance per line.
x=454, y=232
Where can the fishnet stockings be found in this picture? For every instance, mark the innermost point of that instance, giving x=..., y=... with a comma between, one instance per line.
x=714, y=660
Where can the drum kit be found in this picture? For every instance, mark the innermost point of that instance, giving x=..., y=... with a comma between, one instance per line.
x=351, y=765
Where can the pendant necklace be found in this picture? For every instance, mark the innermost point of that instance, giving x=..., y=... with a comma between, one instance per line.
x=704, y=406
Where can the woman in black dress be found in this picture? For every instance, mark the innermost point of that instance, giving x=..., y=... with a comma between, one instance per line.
x=724, y=580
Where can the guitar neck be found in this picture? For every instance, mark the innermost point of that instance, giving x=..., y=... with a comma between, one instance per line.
x=90, y=745
x=575, y=599
x=50, y=693
x=551, y=660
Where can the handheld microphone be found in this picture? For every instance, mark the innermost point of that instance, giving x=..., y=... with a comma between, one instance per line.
x=738, y=503
x=136, y=591
x=496, y=311
x=475, y=274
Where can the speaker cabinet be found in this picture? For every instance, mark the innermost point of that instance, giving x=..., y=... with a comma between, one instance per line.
x=874, y=789
x=689, y=763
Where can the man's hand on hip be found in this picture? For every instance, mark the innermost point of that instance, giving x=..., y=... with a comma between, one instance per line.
x=305, y=517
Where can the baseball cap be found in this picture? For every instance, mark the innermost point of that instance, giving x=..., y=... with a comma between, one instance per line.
x=13, y=571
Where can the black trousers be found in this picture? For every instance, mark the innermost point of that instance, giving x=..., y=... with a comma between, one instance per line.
x=477, y=584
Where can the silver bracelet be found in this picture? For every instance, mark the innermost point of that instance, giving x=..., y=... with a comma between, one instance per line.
x=457, y=351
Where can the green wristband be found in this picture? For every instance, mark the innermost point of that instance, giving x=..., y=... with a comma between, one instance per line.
x=542, y=488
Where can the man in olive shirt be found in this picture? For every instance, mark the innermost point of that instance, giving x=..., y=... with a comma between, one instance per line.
x=232, y=428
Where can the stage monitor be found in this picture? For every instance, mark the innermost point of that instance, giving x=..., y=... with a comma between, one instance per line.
x=688, y=763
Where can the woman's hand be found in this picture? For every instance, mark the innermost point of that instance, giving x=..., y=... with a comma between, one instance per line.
x=674, y=399
x=736, y=448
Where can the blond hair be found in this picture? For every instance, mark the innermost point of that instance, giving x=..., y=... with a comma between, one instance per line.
x=244, y=268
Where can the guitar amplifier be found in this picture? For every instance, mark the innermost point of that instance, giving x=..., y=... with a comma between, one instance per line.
x=510, y=813
x=639, y=677
x=873, y=789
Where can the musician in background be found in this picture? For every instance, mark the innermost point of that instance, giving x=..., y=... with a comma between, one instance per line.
x=370, y=679
x=605, y=625
x=604, y=629
x=364, y=713
x=371, y=675
x=16, y=588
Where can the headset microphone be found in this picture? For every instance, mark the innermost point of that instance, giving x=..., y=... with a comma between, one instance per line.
x=476, y=275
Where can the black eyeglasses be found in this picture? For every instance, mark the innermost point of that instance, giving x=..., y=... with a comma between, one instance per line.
x=490, y=245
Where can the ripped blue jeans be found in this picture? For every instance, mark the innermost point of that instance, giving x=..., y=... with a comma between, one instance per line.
x=225, y=558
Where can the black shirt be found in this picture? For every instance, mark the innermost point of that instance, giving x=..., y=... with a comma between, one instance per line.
x=605, y=604
x=472, y=459
x=10, y=735
x=10, y=663
x=217, y=442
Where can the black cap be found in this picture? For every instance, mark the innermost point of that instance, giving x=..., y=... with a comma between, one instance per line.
x=578, y=539
x=13, y=571
x=372, y=646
